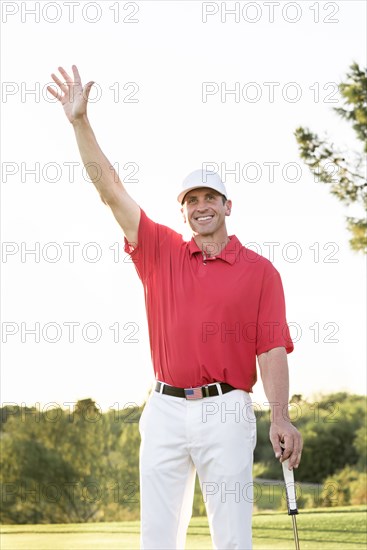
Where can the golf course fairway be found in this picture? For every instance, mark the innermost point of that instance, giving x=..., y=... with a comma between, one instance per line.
x=322, y=528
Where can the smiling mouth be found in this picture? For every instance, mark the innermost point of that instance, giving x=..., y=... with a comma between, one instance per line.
x=204, y=218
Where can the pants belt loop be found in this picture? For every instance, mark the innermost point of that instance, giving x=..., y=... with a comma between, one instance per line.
x=161, y=388
x=219, y=388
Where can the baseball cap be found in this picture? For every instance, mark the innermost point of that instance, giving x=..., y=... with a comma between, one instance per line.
x=201, y=178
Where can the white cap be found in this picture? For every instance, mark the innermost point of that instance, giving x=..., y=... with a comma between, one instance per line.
x=201, y=178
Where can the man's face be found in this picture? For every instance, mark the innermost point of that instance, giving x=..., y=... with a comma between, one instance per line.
x=204, y=211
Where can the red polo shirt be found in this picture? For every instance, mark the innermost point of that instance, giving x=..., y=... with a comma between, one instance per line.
x=207, y=319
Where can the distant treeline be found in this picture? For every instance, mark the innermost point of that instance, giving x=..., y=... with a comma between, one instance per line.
x=61, y=466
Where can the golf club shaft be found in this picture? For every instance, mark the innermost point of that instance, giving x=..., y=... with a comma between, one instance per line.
x=295, y=532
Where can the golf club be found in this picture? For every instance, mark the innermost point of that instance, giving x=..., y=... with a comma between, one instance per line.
x=291, y=499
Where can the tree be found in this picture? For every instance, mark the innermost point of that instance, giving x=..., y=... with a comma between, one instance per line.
x=74, y=466
x=360, y=445
x=343, y=171
x=331, y=430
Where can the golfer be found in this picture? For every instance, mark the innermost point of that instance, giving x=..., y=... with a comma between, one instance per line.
x=213, y=306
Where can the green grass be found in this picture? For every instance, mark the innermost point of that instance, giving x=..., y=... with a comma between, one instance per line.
x=323, y=528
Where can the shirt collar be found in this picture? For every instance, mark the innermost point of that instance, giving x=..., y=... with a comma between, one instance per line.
x=228, y=254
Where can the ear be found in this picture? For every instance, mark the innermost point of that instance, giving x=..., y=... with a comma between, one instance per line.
x=228, y=206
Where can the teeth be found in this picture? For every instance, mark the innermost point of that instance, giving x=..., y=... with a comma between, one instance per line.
x=204, y=218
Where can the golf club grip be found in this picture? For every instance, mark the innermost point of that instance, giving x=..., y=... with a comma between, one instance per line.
x=290, y=489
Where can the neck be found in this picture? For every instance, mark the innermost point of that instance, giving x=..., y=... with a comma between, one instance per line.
x=211, y=245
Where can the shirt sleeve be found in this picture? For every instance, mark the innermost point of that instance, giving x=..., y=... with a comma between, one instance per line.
x=272, y=327
x=151, y=237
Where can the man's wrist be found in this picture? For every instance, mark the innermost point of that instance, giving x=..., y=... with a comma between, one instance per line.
x=80, y=121
x=280, y=420
x=279, y=411
x=279, y=415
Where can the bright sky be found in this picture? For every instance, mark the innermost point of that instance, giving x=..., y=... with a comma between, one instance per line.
x=151, y=117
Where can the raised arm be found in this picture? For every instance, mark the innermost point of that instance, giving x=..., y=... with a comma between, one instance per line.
x=74, y=99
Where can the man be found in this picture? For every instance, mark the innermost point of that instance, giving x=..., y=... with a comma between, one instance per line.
x=212, y=307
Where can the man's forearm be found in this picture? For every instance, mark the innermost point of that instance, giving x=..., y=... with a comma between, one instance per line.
x=275, y=377
x=99, y=168
x=285, y=438
x=74, y=98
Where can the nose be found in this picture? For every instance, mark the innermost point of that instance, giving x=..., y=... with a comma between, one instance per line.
x=201, y=205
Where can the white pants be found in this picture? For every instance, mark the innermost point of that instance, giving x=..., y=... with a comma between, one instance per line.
x=214, y=436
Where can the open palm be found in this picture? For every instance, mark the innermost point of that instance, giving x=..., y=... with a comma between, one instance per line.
x=72, y=95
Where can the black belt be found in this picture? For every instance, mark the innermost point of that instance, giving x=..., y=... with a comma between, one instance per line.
x=193, y=393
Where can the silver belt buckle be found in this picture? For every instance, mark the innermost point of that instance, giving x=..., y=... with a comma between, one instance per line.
x=196, y=393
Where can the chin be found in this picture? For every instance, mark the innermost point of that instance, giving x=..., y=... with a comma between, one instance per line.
x=203, y=229
x=196, y=228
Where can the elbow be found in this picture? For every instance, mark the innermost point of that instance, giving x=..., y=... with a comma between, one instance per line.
x=110, y=197
x=114, y=194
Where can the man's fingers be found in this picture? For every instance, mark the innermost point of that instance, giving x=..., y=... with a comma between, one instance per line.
x=286, y=445
x=55, y=93
x=68, y=79
x=62, y=85
x=276, y=445
x=294, y=451
x=87, y=89
x=77, y=78
x=290, y=448
x=295, y=457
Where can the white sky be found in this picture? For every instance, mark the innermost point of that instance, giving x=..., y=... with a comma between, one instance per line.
x=167, y=133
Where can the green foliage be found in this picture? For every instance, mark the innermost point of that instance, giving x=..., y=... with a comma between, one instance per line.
x=343, y=171
x=354, y=92
x=348, y=486
x=360, y=445
x=331, y=430
x=71, y=466
x=82, y=466
x=358, y=489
